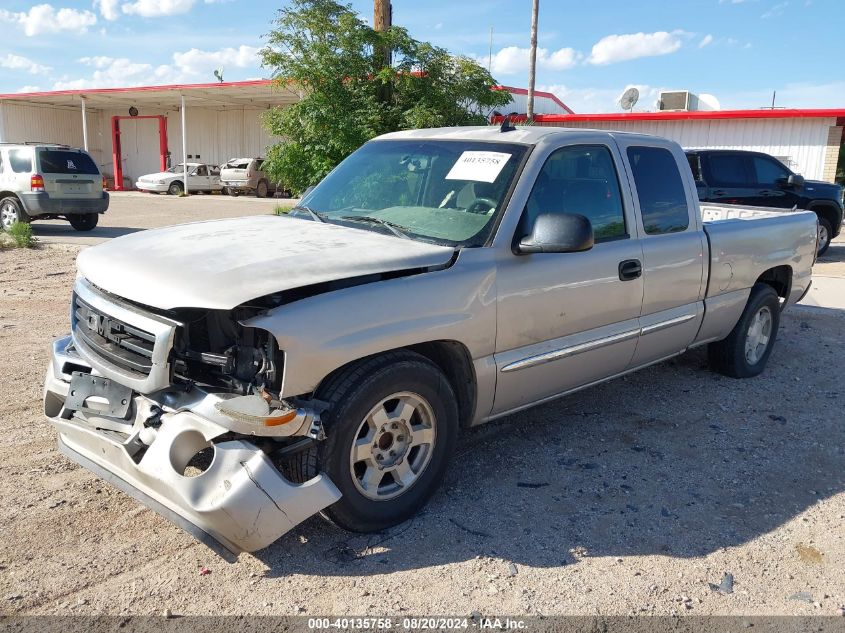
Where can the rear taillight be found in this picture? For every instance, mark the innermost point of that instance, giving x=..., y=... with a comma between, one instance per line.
x=104, y=183
x=36, y=183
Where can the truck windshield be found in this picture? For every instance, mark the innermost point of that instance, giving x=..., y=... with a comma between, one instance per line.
x=447, y=192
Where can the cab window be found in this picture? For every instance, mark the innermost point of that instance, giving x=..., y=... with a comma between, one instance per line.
x=660, y=190
x=769, y=172
x=580, y=179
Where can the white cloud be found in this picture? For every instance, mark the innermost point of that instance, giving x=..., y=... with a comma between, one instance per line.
x=199, y=62
x=705, y=41
x=45, y=18
x=775, y=11
x=513, y=59
x=28, y=89
x=619, y=48
x=108, y=8
x=17, y=62
x=187, y=66
x=157, y=8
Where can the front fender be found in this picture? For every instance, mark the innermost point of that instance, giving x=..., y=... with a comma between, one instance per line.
x=325, y=332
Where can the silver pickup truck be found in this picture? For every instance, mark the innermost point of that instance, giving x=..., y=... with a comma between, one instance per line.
x=239, y=376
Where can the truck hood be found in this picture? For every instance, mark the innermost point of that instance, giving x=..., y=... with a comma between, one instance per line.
x=221, y=264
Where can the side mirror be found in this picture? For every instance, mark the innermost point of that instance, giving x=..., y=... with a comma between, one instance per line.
x=795, y=181
x=558, y=233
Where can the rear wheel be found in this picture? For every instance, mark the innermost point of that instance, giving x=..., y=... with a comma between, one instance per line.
x=261, y=189
x=11, y=211
x=83, y=221
x=176, y=188
x=391, y=428
x=825, y=233
x=746, y=350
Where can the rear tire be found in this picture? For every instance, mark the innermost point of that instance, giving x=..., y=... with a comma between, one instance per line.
x=176, y=188
x=825, y=235
x=11, y=211
x=83, y=221
x=398, y=415
x=746, y=350
x=261, y=189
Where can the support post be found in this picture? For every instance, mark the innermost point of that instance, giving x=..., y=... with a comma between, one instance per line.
x=184, y=145
x=162, y=142
x=84, y=125
x=115, y=153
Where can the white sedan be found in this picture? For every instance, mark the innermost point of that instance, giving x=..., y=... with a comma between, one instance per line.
x=201, y=177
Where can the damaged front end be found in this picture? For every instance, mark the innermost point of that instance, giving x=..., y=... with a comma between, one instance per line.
x=182, y=410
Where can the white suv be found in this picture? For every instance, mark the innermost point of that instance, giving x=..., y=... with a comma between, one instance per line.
x=46, y=182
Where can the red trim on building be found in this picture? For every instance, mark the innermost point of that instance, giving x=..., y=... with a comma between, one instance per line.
x=538, y=93
x=803, y=113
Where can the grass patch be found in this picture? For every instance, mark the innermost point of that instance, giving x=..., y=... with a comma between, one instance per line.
x=19, y=235
x=282, y=209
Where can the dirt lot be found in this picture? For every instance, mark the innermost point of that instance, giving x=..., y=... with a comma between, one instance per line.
x=627, y=498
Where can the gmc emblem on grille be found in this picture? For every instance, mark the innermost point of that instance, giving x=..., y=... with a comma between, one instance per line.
x=99, y=324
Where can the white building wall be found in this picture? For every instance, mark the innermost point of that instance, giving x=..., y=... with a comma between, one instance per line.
x=799, y=142
x=216, y=135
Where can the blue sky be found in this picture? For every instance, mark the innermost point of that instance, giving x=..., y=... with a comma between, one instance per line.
x=589, y=52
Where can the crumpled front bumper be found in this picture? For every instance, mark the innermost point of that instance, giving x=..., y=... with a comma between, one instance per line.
x=239, y=503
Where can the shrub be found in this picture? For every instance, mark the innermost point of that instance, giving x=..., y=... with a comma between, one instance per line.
x=21, y=234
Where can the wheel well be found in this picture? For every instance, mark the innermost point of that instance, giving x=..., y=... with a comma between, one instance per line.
x=828, y=211
x=451, y=357
x=455, y=362
x=779, y=278
x=6, y=194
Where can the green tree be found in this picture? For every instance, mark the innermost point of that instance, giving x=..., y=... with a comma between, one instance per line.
x=323, y=50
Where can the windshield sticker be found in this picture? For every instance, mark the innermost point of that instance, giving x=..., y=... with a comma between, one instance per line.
x=478, y=166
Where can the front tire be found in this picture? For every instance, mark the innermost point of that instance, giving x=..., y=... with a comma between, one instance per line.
x=83, y=221
x=11, y=212
x=176, y=188
x=746, y=350
x=391, y=428
x=825, y=235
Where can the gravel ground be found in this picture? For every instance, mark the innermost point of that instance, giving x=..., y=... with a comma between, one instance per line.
x=631, y=497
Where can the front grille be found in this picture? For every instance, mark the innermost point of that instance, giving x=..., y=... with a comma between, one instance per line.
x=128, y=347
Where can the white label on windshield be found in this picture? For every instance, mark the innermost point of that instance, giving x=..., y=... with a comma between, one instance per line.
x=478, y=166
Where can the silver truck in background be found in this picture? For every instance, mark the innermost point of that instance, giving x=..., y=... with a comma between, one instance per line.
x=241, y=375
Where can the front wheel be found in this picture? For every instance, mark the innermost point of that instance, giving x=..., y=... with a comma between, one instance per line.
x=175, y=188
x=391, y=427
x=825, y=233
x=746, y=350
x=83, y=221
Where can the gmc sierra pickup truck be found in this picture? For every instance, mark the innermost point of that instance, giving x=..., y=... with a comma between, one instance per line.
x=240, y=375
x=753, y=178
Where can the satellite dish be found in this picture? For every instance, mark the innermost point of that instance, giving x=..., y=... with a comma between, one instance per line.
x=708, y=102
x=219, y=74
x=629, y=99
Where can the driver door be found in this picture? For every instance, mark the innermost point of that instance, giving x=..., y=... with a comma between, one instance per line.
x=568, y=319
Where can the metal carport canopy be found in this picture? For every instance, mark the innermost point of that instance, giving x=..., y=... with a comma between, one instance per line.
x=258, y=94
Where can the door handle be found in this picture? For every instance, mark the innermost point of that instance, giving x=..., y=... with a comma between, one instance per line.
x=630, y=269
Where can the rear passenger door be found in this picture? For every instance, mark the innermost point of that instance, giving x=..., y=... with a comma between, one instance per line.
x=673, y=246
x=730, y=178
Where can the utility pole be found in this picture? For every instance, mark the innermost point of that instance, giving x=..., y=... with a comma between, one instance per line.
x=532, y=60
x=382, y=21
x=490, y=56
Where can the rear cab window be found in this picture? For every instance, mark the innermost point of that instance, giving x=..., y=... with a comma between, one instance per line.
x=660, y=190
x=729, y=170
x=54, y=161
